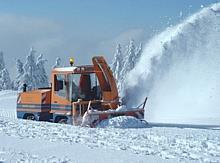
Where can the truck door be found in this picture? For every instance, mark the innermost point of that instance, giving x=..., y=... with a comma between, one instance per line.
x=60, y=101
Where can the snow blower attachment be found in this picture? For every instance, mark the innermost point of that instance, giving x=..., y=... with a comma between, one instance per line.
x=79, y=95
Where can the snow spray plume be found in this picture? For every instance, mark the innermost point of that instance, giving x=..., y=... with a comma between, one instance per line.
x=180, y=71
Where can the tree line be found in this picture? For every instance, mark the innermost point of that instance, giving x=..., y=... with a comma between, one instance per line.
x=32, y=72
x=124, y=61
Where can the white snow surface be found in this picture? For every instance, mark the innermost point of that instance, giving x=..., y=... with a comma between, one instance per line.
x=31, y=141
x=122, y=122
x=122, y=108
x=8, y=104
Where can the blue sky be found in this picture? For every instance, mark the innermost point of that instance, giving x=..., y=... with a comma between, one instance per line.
x=104, y=15
x=83, y=28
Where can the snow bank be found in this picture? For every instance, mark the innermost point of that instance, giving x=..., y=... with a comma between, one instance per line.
x=122, y=122
x=122, y=108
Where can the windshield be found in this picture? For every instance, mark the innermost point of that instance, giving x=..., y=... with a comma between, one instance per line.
x=83, y=86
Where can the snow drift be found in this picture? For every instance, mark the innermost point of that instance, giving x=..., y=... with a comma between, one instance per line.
x=122, y=122
x=180, y=71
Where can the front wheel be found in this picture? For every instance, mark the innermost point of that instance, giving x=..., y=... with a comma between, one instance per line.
x=62, y=121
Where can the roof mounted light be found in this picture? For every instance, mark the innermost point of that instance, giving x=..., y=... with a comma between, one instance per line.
x=71, y=61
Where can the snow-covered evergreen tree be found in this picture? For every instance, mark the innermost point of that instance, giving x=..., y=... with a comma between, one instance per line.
x=2, y=62
x=138, y=53
x=41, y=72
x=17, y=84
x=128, y=65
x=124, y=63
x=32, y=73
x=117, y=62
x=58, y=63
x=29, y=76
x=130, y=57
x=5, y=81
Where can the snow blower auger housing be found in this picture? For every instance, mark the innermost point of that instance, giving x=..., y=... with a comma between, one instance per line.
x=79, y=95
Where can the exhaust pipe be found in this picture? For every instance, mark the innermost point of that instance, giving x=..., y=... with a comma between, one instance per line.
x=24, y=87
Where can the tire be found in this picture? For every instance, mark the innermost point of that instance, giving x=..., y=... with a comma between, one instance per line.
x=62, y=121
x=30, y=117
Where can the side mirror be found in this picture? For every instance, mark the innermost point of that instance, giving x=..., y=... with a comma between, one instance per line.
x=58, y=85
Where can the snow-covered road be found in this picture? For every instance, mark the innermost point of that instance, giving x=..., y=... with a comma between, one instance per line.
x=22, y=140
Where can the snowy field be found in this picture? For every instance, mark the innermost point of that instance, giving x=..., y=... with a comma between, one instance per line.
x=8, y=104
x=29, y=141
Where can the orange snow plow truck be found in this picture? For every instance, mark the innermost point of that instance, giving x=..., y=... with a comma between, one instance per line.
x=79, y=95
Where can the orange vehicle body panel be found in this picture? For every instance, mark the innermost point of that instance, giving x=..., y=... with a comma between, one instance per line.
x=31, y=99
x=107, y=83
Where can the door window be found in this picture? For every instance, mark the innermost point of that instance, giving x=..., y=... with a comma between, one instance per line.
x=60, y=85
